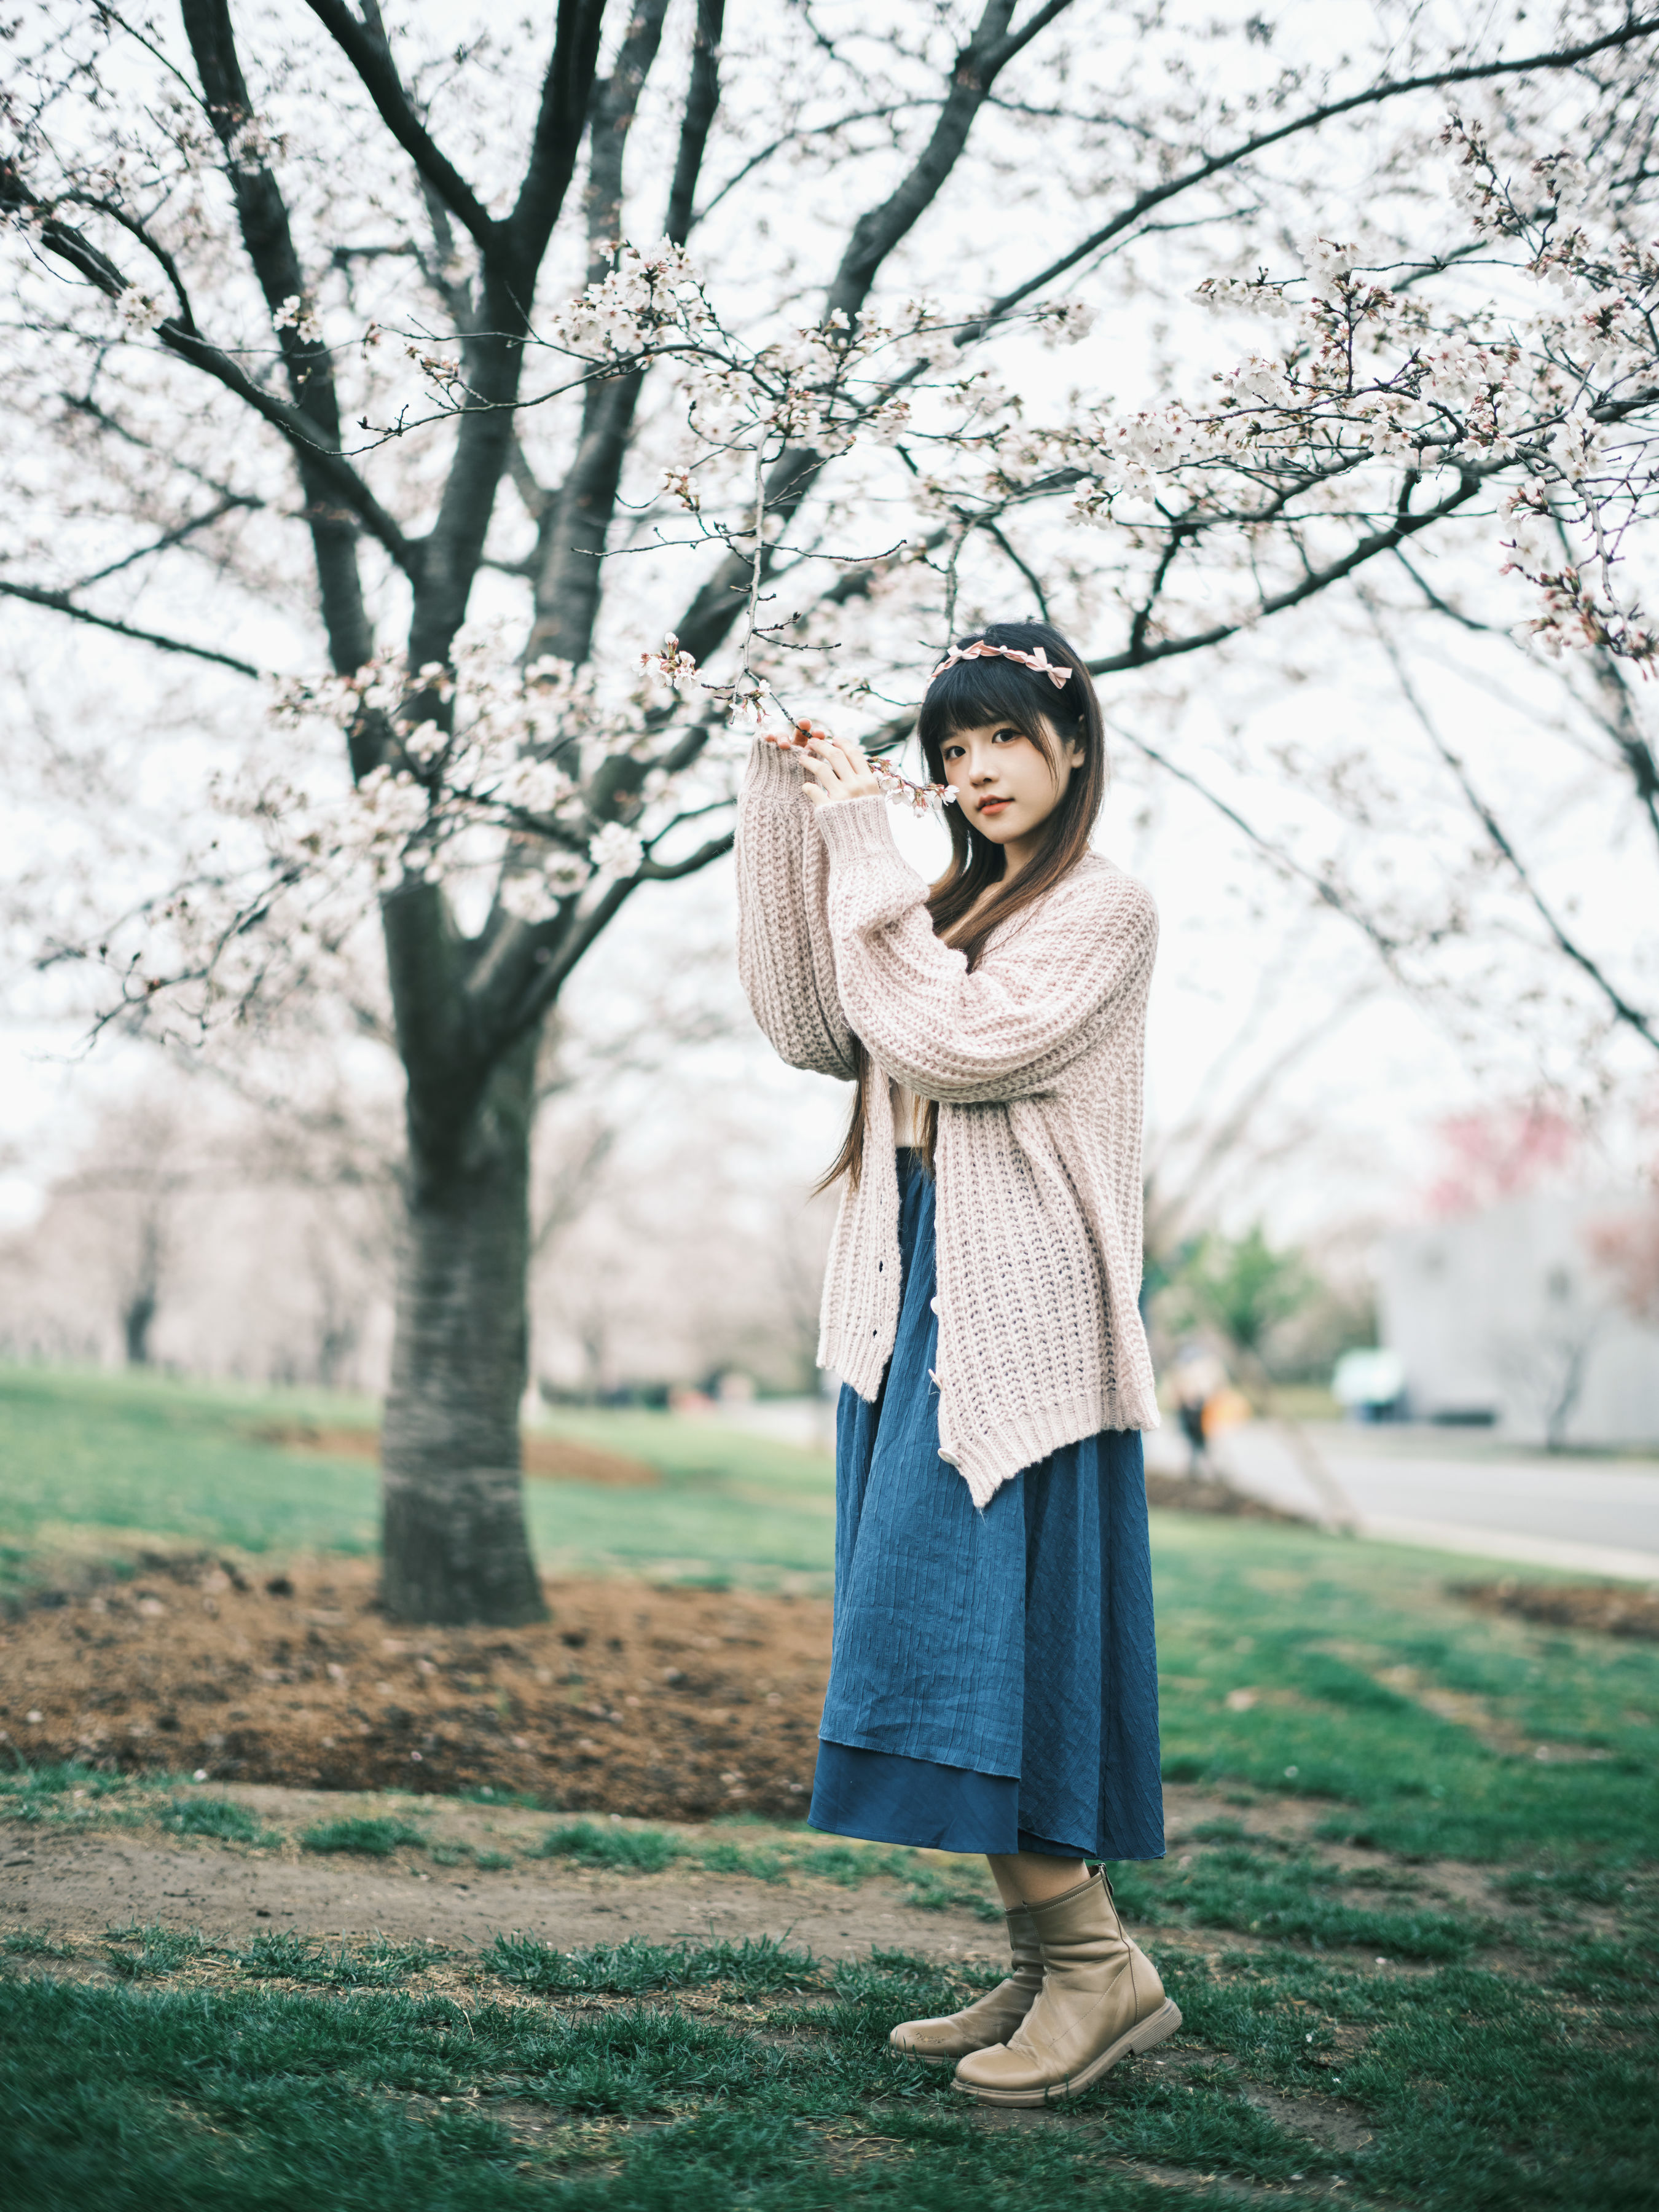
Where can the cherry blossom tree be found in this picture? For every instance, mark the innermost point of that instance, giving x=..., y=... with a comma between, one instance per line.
x=751, y=321
x=1500, y=1153
x=1626, y=1249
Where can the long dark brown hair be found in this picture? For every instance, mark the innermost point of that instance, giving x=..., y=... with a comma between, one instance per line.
x=973, y=695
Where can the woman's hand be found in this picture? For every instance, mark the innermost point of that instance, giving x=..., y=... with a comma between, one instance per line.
x=837, y=769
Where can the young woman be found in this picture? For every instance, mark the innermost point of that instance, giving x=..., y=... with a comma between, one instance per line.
x=993, y=1682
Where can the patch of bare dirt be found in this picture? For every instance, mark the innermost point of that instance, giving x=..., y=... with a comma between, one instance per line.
x=666, y=1703
x=1182, y=1493
x=1609, y=1608
x=549, y=1459
x=651, y=1702
x=74, y=1884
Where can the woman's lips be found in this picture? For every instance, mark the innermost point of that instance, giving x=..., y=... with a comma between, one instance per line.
x=993, y=805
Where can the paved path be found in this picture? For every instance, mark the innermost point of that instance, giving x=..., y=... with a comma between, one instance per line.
x=1593, y=1515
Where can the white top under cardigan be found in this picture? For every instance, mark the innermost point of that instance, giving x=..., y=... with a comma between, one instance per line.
x=1035, y=1058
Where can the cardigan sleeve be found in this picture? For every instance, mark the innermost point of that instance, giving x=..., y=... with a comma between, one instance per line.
x=785, y=959
x=1038, y=1000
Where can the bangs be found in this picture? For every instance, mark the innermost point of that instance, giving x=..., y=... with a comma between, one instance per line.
x=972, y=693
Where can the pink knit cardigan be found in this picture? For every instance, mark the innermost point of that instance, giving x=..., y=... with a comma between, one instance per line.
x=1034, y=1057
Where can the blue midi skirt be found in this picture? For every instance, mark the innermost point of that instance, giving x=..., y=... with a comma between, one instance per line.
x=993, y=1678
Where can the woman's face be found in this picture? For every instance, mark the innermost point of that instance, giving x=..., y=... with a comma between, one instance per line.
x=1006, y=786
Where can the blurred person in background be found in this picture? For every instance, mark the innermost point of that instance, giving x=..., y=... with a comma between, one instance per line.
x=1199, y=1378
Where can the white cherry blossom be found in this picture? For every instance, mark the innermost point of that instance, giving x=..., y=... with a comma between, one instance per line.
x=616, y=850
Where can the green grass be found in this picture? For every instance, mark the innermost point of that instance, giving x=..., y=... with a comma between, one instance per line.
x=1346, y=1649
x=218, y=1817
x=1318, y=1631
x=374, y=1839
x=753, y=1967
x=95, y=1463
x=1264, y=1891
x=285, y=1956
x=1316, y=1625
x=732, y=1507
x=151, y=1949
x=67, y=1795
x=649, y=1851
x=34, y=1943
x=1456, y=2090
x=641, y=1850
x=1501, y=2062
x=1253, y=1885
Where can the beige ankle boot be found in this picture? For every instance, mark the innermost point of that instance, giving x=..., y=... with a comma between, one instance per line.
x=990, y=2018
x=1101, y=1998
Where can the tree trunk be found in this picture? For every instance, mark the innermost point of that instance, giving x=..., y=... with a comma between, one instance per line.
x=143, y=1292
x=136, y=1315
x=455, y=1544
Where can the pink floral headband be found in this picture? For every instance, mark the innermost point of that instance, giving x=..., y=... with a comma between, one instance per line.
x=980, y=650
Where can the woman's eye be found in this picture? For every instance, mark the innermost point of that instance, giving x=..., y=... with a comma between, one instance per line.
x=1007, y=737
x=954, y=753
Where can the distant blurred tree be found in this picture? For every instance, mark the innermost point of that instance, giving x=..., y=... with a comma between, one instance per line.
x=1500, y=1152
x=1545, y=1363
x=142, y=1168
x=1244, y=1290
x=1341, y=1316
x=213, y=1226
x=1626, y=1247
x=1241, y=1130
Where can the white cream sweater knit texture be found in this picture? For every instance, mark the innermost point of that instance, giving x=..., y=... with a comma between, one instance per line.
x=1035, y=1058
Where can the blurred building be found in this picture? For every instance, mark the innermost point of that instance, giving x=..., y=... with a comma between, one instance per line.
x=1515, y=1316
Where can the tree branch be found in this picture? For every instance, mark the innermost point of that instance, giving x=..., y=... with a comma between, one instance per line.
x=1017, y=41
x=1432, y=598
x=1619, y=719
x=1389, y=88
x=616, y=102
x=455, y=544
x=81, y=404
x=800, y=137
x=227, y=505
x=701, y=99
x=335, y=472
x=1329, y=893
x=535, y=494
x=560, y=123
x=878, y=231
x=1623, y=1010
x=577, y=523
x=1143, y=656
x=372, y=61
x=1616, y=716
x=267, y=240
x=716, y=606
x=668, y=872
x=553, y=973
x=61, y=602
